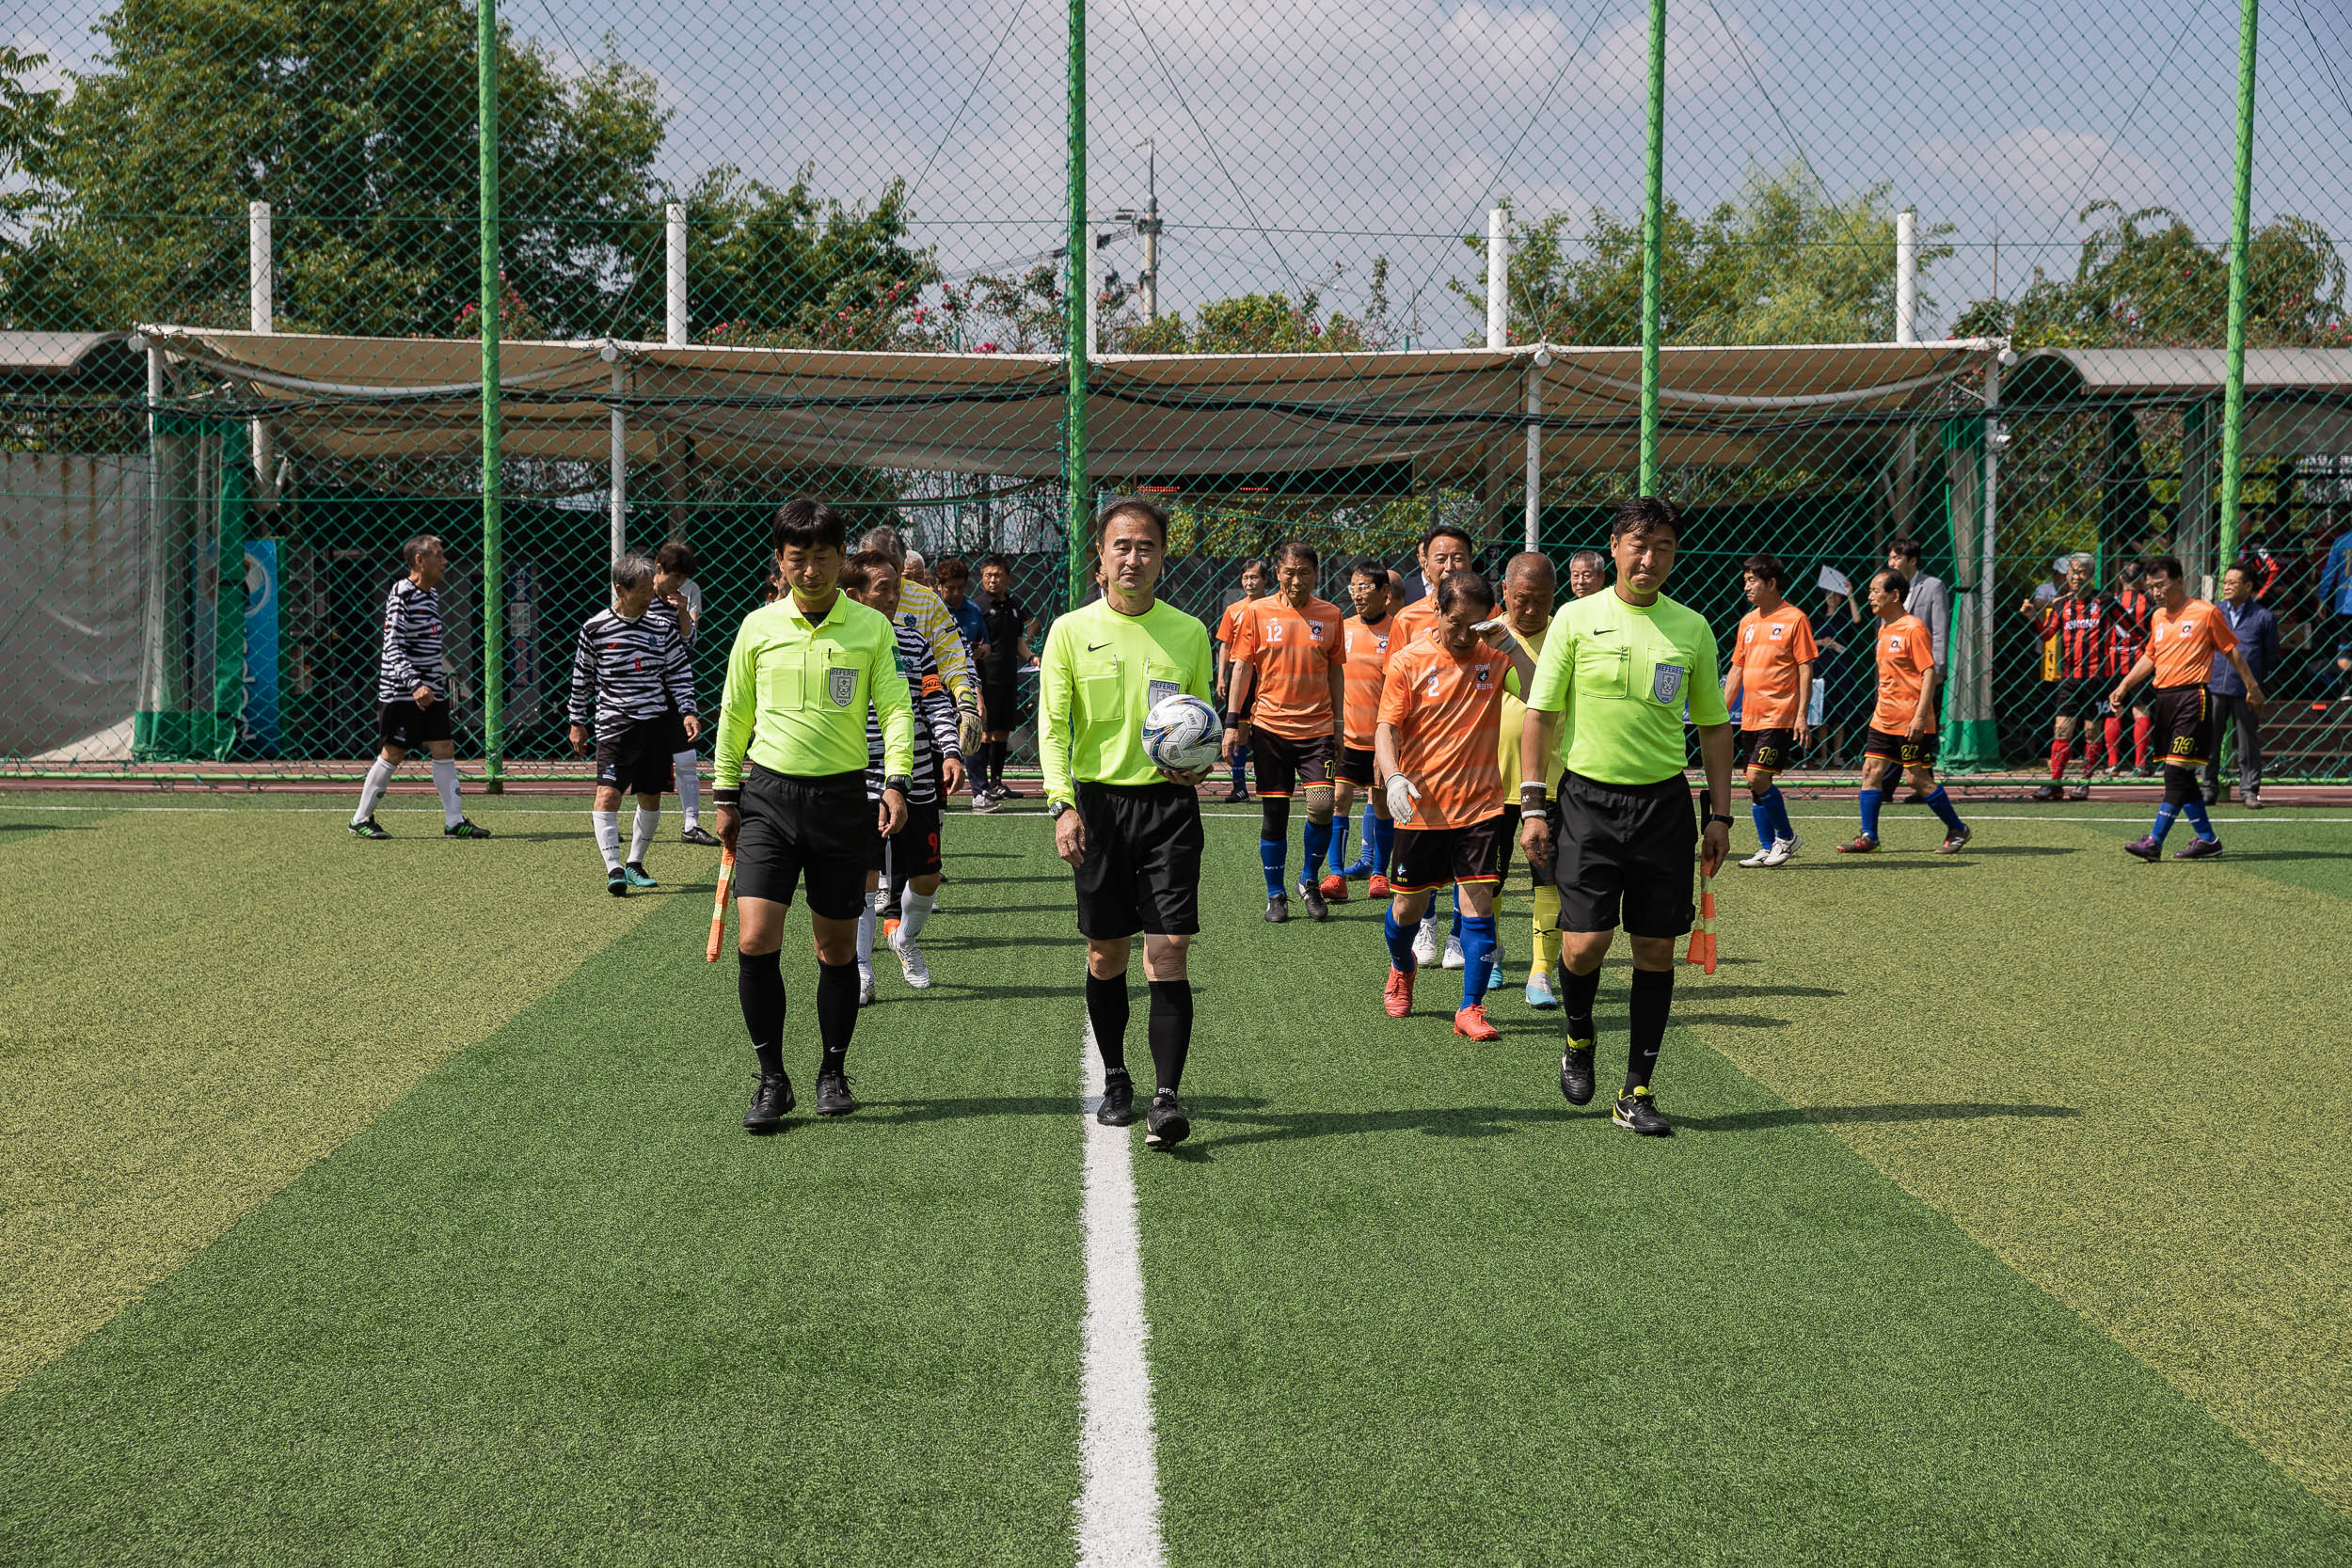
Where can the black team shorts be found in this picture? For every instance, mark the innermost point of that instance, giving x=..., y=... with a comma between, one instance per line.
x=1141, y=870
x=2185, y=727
x=634, y=757
x=911, y=851
x=1431, y=857
x=674, y=725
x=1773, y=749
x=2080, y=699
x=1000, y=706
x=1625, y=854
x=1285, y=766
x=1911, y=752
x=820, y=829
x=408, y=726
x=1355, y=765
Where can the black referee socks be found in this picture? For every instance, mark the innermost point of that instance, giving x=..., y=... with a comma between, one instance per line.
x=759, y=985
x=836, y=1011
x=1106, y=1010
x=1577, y=995
x=1653, y=998
x=1171, y=1030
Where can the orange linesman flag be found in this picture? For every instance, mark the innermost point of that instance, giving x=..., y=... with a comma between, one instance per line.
x=719, y=907
x=1701, y=951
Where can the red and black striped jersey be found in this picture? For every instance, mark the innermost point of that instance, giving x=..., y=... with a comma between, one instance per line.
x=2128, y=609
x=2082, y=632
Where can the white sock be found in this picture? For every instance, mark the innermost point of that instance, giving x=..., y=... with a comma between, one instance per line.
x=640, y=831
x=372, y=792
x=866, y=936
x=913, y=910
x=690, y=792
x=608, y=836
x=445, y=781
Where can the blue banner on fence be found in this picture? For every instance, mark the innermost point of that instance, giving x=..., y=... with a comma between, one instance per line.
x=260, y=723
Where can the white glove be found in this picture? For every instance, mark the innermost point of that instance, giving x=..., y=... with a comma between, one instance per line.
x=1403, y=792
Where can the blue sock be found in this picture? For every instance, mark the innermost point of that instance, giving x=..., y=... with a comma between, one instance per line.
x=1779, y=804
x=1870, y=802
x=1760, y=813
x=1383, y=836
x=1457, y=927
x=2195, y=812
x=1400, y=940
x=2165, y=813
x=1941, y=804
x=1339, y=845
x=1318, y=848
x=1478, y=957
x=1271, y=854
x=1367, y=860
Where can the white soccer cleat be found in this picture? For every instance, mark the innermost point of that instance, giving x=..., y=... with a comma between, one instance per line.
x=1425, y=942
x=865, y=987
x=1778, y=854
x=910, y=962
x=1453, y=959
x=1763, y=855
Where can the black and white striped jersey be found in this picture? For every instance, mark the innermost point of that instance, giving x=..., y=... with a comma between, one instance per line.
x=412, y=644
x=934, y=720
x=662, y=610
x=628, y=671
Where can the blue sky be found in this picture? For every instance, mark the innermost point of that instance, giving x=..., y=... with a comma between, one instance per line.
x=1298, y=139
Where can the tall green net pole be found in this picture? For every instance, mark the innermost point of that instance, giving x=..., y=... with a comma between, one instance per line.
x=493, y=550
x=1080, y=275
x=2241, y=227
x=1654, y=242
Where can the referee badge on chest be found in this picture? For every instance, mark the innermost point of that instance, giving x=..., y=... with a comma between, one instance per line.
x=1665, y=683
x=840, y=685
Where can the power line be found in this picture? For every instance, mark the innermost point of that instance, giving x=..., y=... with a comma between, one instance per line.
x=970, y=93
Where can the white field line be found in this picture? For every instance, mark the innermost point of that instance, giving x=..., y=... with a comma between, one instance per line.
x=1119, y=1490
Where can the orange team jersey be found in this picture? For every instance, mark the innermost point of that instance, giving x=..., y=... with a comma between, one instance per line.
x=1406, y=624
x=1767, y=650
x=1293, y=652
x=1367, y=650
x=2184, y=642
x=1230, y=623
x=1906, y=654
x=1448, y=710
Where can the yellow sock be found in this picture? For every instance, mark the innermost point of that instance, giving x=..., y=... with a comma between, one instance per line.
x=1546, y=931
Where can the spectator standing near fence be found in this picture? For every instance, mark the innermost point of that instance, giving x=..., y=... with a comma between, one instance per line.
x=2257, y=632
x=1004, y=632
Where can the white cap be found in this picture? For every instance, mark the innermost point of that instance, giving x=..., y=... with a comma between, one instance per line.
x=1835, y=581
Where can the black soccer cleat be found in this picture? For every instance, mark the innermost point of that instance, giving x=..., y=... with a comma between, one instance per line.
x=770, y=1102
x=2199, y=849
x=369, y=828
x=1312, y=895
x=463, y=828
x=701, y=835
x=1277, y=911
x=833, y=1094
x=2050, y=791
x=1119, y=1098
x=1638, y=1112
x=1165, y=1125
x=1576, y=1072
x=617, y=882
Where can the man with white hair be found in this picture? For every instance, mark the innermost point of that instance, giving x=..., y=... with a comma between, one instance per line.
x=921, y=607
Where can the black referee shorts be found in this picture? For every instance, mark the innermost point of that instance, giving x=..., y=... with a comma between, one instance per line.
x=1624, y=854
x=1141, y=870
x=794, y=828
x=634, y=757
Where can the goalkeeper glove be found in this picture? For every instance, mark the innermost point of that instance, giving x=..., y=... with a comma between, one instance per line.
x=1403, y=792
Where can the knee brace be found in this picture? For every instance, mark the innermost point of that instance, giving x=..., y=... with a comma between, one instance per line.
x=1319, y=806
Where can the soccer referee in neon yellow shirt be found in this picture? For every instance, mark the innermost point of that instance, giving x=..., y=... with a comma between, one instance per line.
x=789, y=782
x=1132, y=831
x=1617, y=669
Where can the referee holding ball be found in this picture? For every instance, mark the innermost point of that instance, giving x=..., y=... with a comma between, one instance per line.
x=1132, y=831
x=1617, y=669
x=789, y=783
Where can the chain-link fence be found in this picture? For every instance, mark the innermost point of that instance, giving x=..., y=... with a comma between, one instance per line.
x=1826, y=275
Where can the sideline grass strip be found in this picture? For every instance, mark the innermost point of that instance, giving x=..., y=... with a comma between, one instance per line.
x=555, y=1307
x=196, y=1008
x=1407, y=1307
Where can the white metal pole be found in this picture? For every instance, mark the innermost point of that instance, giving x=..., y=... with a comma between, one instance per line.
x=1498, y=276
x=1535, y=449
x=677, y=337
x=261, y=300
x=618, y=462
x=1906, y=276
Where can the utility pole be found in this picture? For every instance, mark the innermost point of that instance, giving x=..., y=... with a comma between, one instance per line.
x=1149, y=227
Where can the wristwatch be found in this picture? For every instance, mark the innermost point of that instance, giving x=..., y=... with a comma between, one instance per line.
x=899, y=781
x=1053, y=811
x=1715, y=816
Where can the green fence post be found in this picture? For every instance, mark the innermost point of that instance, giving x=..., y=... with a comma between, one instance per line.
x=2241, y=226
x=228, y=595
x=493, y=547
x=1654, y=242
x=1079, y=517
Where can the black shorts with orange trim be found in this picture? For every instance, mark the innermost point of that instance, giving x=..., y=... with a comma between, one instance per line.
x=1911, y=750
x=2185, y=727
x=1355, y=765
x=1285, y=766
x=1772, y=749
x=1431, y=857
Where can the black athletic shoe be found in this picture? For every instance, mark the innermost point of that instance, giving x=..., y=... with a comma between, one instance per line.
x=369, y=828
x=1638, y=1112
x=1576, y=1072
x=1165, y=1124
x=2050, y=791
x=464, y=829
x=617, y=882
x=1311, y=896
x=699, y=834
x=833, y=1094
x=1277, y=911
x=1119, y=1100
x=770, y=1102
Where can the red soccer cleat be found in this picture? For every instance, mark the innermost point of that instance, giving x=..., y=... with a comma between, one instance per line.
x=1863, y=845
x=1378, y=887
x=1398, y=998
x=1335, y=889
x=1470, y=1024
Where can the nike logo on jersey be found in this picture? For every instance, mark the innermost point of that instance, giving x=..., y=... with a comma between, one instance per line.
x=1096, y=647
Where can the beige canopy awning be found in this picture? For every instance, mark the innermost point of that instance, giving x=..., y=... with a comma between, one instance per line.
x=1148, y=416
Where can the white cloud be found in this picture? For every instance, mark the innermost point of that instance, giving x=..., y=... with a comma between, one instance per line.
x=51, y=76
x=1516, y=45
x=2046, y=170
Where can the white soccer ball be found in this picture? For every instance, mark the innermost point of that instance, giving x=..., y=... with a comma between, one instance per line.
x=1182, y=734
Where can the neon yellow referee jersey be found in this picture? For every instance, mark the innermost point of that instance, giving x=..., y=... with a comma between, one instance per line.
x=1099, y=675
x=797, y=694
x=1619, y=674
